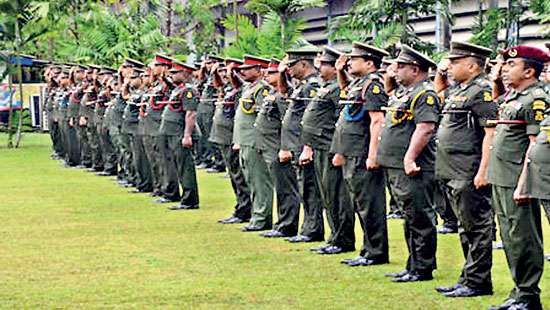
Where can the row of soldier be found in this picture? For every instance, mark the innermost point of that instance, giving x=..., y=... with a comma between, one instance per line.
x=329, y=131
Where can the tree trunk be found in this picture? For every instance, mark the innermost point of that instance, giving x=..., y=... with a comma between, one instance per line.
x=169, y=10
x=20, y=78
x=493, y=4
x=283, y=32
x=10, y=104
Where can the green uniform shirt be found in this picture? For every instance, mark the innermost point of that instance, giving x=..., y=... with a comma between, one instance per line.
x=538, y=177
x=130, y=115
x=156, y=98
x=407, y=107
x=363, y=95
x=300, y=97
x=74, y=102
x=511, y=141
x=183, y=98
x=245, y=116
x=208, y=98
x=224, y=116
x=320, y=116
x=268, y=122
x=460, y=134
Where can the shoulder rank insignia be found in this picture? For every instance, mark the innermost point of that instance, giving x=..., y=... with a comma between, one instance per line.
x=189, y=95
x=265, y=92
x=487, y=97
x=539, y=105
x=312, y=93
x=539, y=116
x=343, y=94
x=430, y=100
x=376, y=89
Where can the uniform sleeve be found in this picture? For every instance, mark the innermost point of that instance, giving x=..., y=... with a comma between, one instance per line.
x=261, y=93
x=484, y=107
x=533, y=113
x=334, y=96
x=190, y=99
x=426, y=108
x=375, y=97
x=310, y=90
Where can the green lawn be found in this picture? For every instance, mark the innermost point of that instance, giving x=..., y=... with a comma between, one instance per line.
x=69, y=239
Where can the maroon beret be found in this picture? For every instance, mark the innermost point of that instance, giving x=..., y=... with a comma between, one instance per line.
x=526, y=52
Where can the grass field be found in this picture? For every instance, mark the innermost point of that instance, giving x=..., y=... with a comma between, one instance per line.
x=69, y=239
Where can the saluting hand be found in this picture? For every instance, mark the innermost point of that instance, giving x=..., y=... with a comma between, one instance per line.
x=283, y=65
x=341, y=63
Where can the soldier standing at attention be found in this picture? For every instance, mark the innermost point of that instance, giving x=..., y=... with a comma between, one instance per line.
x=318, y=125
x=407, y=152
x=268, y=142
x=61, y=103
x=244, y=140
x=77, y=92
x=87, y=118
x=299, y=64
x=521, y=111
x=355, y=145
x=464, y=137
x=222, y=136
x=178, y=121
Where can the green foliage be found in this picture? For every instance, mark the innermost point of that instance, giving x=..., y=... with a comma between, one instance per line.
x=384, y=23
x=541, y=8
x=265, y=41
x=487, y=27
x=26, y=125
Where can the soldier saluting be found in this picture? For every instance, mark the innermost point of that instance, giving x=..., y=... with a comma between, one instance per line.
x=521, y=112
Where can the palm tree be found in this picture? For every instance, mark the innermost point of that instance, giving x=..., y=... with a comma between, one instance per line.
x=284, y=9
x=19, y=20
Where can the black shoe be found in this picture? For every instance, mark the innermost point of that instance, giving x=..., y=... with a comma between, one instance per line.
x=155, y=194
x=136, y=191
x=273, y=234
x=104, y=174
x=413, y=277
x=505, y=306
x=163, y=200
x=447, y=230
x=363, y=261
x=447, y=289
x=547, y=257
x=394, y=216
x=465, y=291
x=348, y=260
x=320, y=247
x=215, y=170
x=202, y=166
x=231, y=220
x=81, y=167
x=248, y=228
x=302, y=238
x=334, y=249
x=498, y=245
x=396, y=274
x=183, y=207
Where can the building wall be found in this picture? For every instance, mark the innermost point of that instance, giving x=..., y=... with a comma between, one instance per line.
x=465, y=12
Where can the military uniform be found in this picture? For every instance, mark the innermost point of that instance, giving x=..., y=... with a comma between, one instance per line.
x=120, y=140
x=102, y=120
x=179, y=159
x=61, y=104
x=87, y=111
x=53, y=124
x=144, y=173
x=253, y=165
x=222, y=136
x=460, y=137
x=291, y=140
x=409, y=106
x=520, y=226
x=283, y=175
